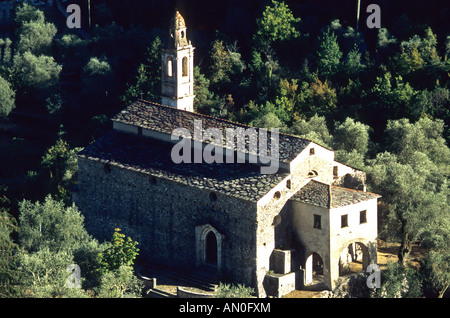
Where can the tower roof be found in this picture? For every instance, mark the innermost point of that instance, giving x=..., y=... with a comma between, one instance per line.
x=177, y=22
x=178, y=31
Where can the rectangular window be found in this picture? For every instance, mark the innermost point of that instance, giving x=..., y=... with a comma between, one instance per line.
x=335, y=171
x=344, y=220
x=317, y=221
x=363, y=217
x=184, y=67
x=312, y=151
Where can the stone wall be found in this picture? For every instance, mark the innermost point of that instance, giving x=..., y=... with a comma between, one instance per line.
x=162, y=216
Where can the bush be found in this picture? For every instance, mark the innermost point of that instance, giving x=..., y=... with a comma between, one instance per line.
x=233, y=291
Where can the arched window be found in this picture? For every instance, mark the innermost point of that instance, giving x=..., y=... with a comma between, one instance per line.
x=312, y=174
x=213, y=196
x=185, y=66
x=169, y=67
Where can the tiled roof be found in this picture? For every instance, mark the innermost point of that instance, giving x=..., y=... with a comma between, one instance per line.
x=329, y=196
x=150, y=156
x=166, y=119
x=314, y=193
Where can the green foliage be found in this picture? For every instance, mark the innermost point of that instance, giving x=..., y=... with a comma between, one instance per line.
x=233, y=291
x=204, y=101
x=277, y=24
x=122, y=252
x=36, y=37
x=120, y=283
x=353, y=65
x=71, y=48
x=220, y=69
x=414, y=192
x=45, y=275
x=425, y=135
x=7, y=98
x=51, y=225
x=28, y=13
x=350, y=135
x=269, y=121
x=315, y=129
x=393, y=95
x=329, y=54
x=5, y=59
x=318, y=98
x=436, y=269
x=36, y=72
x=60, y=165
x=385, y=39
x=9, y=276
x=399, y=281
x=148, y=79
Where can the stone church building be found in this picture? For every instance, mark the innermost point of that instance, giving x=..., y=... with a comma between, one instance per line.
x=273, y=232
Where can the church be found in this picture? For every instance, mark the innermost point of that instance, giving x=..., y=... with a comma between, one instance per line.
x=274, y=232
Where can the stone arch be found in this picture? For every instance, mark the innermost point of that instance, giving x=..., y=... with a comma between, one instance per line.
x=208, y=246
x=314, y=269
x=354, y=257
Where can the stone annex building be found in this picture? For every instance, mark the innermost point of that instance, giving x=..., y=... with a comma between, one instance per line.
x=273, y=232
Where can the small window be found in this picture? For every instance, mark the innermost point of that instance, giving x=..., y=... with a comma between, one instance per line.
x=312, y=174
x=140, y=131
x=169, y=67
x=276, y=220
x=288, y=184
x=335, y=171
x=317, y=221
x=185, y=66
x=363, y=217
x=277, y=195
x=213, y=197
x=344, y=220
x=311, y=151
x=152, y=180
x=107, y=168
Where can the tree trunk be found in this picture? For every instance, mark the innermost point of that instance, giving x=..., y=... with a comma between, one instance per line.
x=405, y=247
x=442, y=291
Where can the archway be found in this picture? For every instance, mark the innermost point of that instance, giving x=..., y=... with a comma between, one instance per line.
x=208, y=246
x=211, y=249
x=354, y=258
x=313, y=270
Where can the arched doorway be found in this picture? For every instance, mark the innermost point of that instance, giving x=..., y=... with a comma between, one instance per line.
x=211, y=248
x=208, y=246
x=313, y=270
x=353, y=259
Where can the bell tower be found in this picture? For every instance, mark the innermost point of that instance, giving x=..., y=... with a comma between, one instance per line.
x=177, y=78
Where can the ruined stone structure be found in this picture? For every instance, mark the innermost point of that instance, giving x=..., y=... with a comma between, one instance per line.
x=274, y=232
